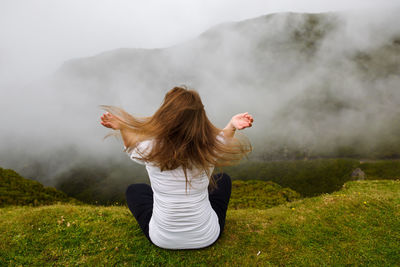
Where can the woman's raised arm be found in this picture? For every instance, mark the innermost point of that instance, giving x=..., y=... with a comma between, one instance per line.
x=111, y=121
x=238, y=122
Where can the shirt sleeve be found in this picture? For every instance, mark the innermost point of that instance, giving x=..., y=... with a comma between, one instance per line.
x=141, y=149
x=221, y=137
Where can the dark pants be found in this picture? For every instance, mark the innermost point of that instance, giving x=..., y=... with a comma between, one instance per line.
x=139, y=198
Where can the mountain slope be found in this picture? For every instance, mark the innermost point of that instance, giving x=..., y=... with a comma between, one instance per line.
x=358, y=225
x=17, y=190
x=315, y=82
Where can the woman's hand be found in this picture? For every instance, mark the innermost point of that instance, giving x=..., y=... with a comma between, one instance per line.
x=242, y=121
x=110, y=121
x=238, y=122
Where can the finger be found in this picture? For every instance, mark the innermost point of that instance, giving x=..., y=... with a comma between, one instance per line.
x=244, y=125
x=106, y=117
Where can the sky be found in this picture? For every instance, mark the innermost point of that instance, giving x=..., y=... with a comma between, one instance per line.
x=36, y=37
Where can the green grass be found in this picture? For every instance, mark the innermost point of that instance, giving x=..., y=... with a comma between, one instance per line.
x=358, y=225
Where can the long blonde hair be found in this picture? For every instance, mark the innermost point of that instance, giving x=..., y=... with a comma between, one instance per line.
x=184, y=135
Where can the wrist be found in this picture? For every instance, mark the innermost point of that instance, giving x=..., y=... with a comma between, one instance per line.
x=231, y=127
x=119, y=127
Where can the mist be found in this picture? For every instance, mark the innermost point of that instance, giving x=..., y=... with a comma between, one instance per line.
x=318, y=84
x=38, y=36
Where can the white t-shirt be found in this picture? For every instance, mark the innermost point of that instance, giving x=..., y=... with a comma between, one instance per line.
x=181, y=219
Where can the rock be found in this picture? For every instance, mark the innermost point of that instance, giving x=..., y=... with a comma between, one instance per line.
x=358, y=174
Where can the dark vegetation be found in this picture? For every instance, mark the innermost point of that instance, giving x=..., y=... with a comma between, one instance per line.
x=381, y=169
x=256, y=184
x=307, y=177
x=16, y=190
x=97, y=184
x=315, y=177
x=259, y=194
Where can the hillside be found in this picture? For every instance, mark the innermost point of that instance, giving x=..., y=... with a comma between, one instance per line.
x=17, y=190
x=358, y=225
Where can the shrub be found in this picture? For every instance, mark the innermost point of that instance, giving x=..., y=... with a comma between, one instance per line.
x=307, y=177
x=381, y=169
x=16, y=190
x=259, y=194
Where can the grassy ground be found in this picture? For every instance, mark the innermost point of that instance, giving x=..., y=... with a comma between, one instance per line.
x=359, y=225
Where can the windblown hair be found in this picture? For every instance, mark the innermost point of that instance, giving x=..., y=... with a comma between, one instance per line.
x=183, y=135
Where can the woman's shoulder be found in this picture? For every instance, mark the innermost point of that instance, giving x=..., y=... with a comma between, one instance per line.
x=221, y=137
x=140, y=150
x=145, y=144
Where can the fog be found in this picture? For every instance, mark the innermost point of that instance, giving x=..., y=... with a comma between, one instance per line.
x=60, y=61
x=38, y=36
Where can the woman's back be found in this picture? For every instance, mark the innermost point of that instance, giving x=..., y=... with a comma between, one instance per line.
x=182, y=215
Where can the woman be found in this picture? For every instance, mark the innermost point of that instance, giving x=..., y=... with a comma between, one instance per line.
x=180, y=148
